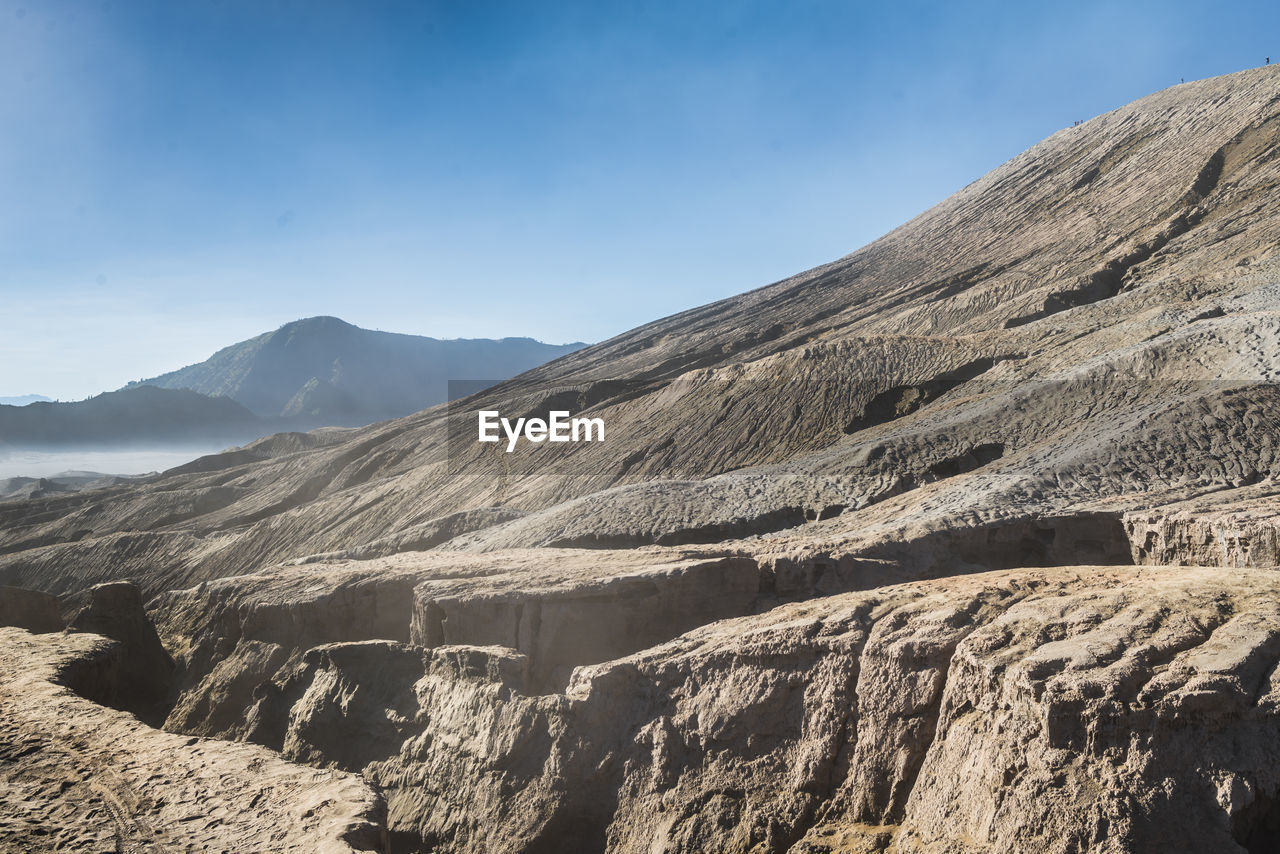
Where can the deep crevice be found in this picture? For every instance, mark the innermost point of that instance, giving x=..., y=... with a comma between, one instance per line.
x=1098, y=539
x=900, y=401
x=971, y=460
x=137, y=675
x=930, y=717
x=1209, y=176
x=1257, y=826
x=1111, y=279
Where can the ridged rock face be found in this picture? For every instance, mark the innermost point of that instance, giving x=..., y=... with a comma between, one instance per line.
x=239, y=637
x=1010, y=712
x=878, y=558
x=1239, y=528
x=1056, y=710
x=146, y=673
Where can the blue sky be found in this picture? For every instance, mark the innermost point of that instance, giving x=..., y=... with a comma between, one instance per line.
x=178, y=176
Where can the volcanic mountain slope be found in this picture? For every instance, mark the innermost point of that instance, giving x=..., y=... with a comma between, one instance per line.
x=326, y=368
x=860, y=565
x=1091, y=327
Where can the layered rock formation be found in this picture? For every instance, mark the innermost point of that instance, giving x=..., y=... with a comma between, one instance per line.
x=965, y=542
x=1065, y=709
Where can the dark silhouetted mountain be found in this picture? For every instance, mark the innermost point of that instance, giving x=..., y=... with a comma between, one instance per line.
x=325, y=369
x=143, y=414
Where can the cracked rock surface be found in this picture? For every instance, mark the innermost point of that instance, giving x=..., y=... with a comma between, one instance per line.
x=1086, y=709
x=1064, y=709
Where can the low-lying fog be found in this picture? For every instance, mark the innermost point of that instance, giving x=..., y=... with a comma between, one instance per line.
x=24, y=462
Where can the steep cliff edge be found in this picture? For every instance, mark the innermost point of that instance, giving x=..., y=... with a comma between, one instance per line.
x=75, y=775
x=1065, y=709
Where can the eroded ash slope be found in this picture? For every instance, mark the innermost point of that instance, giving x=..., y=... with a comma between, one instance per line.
x=1047, y=324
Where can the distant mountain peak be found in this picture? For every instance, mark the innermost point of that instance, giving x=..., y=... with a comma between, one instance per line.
x=24, y=399
x=318, y=323
x=339, y=373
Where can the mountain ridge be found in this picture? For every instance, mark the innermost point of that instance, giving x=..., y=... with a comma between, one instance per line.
x=24, y=399
x=133, y=416
x=324, y=367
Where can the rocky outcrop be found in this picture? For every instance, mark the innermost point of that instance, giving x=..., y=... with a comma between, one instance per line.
x=558, y=608
x=356, y=704
x=145, y=680
x=1238, y=528
x=862, y=717
x=559, y=621
x=77, y=776
x=1139, y=718
x=1125, y=709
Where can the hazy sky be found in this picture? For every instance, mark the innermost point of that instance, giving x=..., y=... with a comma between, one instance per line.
x=182, y=174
